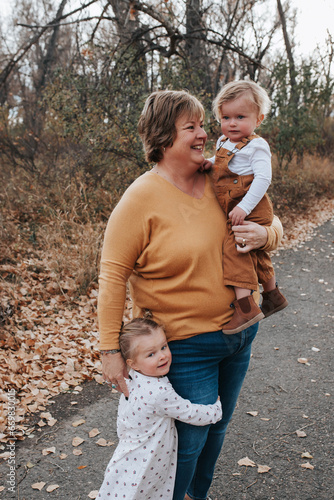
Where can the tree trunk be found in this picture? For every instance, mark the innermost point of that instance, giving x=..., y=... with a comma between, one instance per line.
x=128, y=27
x=292, y=68
x=195, y=47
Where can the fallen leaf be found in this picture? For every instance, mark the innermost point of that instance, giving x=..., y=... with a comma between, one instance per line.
x=52, y=421
x=265, y=419
x=2, y=488
x=78, y=422
x=38, y=486
x=315, y=349
x=93, y=433
x=102, y=442
x=301, y=434
x=253, y=413
x=93, y=494
x=30, y=465
x=76, y=441
x=303, y=361
x=77, y=452
x=52, y=487
x=307, y=465
x=82, y=467
x=247, y=462
x=263, y=468
x=46, y=414
x=306, y=454
x=62, y=456
x=47, y=451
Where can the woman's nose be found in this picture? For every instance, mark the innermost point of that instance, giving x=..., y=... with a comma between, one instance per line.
x=202, y=133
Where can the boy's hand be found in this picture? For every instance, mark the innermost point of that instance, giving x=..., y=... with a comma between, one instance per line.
x=237, y=216
x=206, y=165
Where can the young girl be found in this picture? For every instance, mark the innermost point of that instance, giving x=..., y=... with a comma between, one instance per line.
x=241, y=175
x=144, y=463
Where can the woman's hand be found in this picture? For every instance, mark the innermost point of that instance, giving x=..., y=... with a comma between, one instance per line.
x=249, y=236
x=114, y=371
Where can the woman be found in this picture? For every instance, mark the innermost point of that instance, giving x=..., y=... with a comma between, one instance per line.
x=165, y=237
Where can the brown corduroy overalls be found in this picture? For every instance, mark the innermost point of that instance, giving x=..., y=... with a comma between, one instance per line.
x=244, y=270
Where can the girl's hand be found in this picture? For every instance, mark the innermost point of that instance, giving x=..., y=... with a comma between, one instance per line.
x=249, y=236
x=237, y=216
x=114, y=371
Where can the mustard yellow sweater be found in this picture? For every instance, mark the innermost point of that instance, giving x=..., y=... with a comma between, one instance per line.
x=169, y=246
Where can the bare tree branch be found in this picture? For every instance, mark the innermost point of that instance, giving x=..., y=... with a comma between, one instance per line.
x=33, y=40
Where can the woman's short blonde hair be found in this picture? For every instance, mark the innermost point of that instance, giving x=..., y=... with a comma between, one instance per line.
x=233, y=90
x=132, y=330
x=156, y=124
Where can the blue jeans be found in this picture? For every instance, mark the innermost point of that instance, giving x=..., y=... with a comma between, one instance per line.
x=203, y=367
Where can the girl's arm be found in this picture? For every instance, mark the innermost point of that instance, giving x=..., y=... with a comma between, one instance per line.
x=170, y=404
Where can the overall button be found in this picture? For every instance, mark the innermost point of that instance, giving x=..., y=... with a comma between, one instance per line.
x=235, y=181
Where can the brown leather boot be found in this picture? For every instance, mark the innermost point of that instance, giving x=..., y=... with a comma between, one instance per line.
x=273, y=302
x=246, y=313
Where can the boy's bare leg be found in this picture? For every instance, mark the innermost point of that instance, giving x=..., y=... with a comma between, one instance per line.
x=269, y=285
x=241, y=292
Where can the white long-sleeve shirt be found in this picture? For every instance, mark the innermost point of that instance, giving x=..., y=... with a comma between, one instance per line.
x=143, y=465
x=255, y=158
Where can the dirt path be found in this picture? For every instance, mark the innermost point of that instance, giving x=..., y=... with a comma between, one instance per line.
x=284, y=411
x=290, y=385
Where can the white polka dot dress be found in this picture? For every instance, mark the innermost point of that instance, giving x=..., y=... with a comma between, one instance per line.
x=144, y=463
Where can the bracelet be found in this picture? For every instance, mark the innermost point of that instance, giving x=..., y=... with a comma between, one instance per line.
x=112, y=351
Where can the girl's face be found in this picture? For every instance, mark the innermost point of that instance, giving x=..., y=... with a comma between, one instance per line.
x=239, y=118
x=152, y=356
x=188, y=146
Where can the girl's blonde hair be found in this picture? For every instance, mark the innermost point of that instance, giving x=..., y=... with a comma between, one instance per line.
x=233, y=90
x=132, y=330
x=156, y=124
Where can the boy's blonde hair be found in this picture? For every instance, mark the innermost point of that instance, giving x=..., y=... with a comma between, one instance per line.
x=156, y=124
x=233, y=90
x=132, y=330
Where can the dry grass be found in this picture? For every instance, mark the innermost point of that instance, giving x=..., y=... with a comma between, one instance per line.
x=72, y=250
x=58, y=227
x=298, y=188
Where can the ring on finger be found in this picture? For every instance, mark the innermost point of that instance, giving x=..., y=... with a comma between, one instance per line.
x=114, y=386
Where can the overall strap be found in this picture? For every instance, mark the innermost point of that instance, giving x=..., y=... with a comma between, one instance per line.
x=240, y=145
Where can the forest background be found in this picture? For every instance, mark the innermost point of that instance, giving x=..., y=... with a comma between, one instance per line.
x=73, y=82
